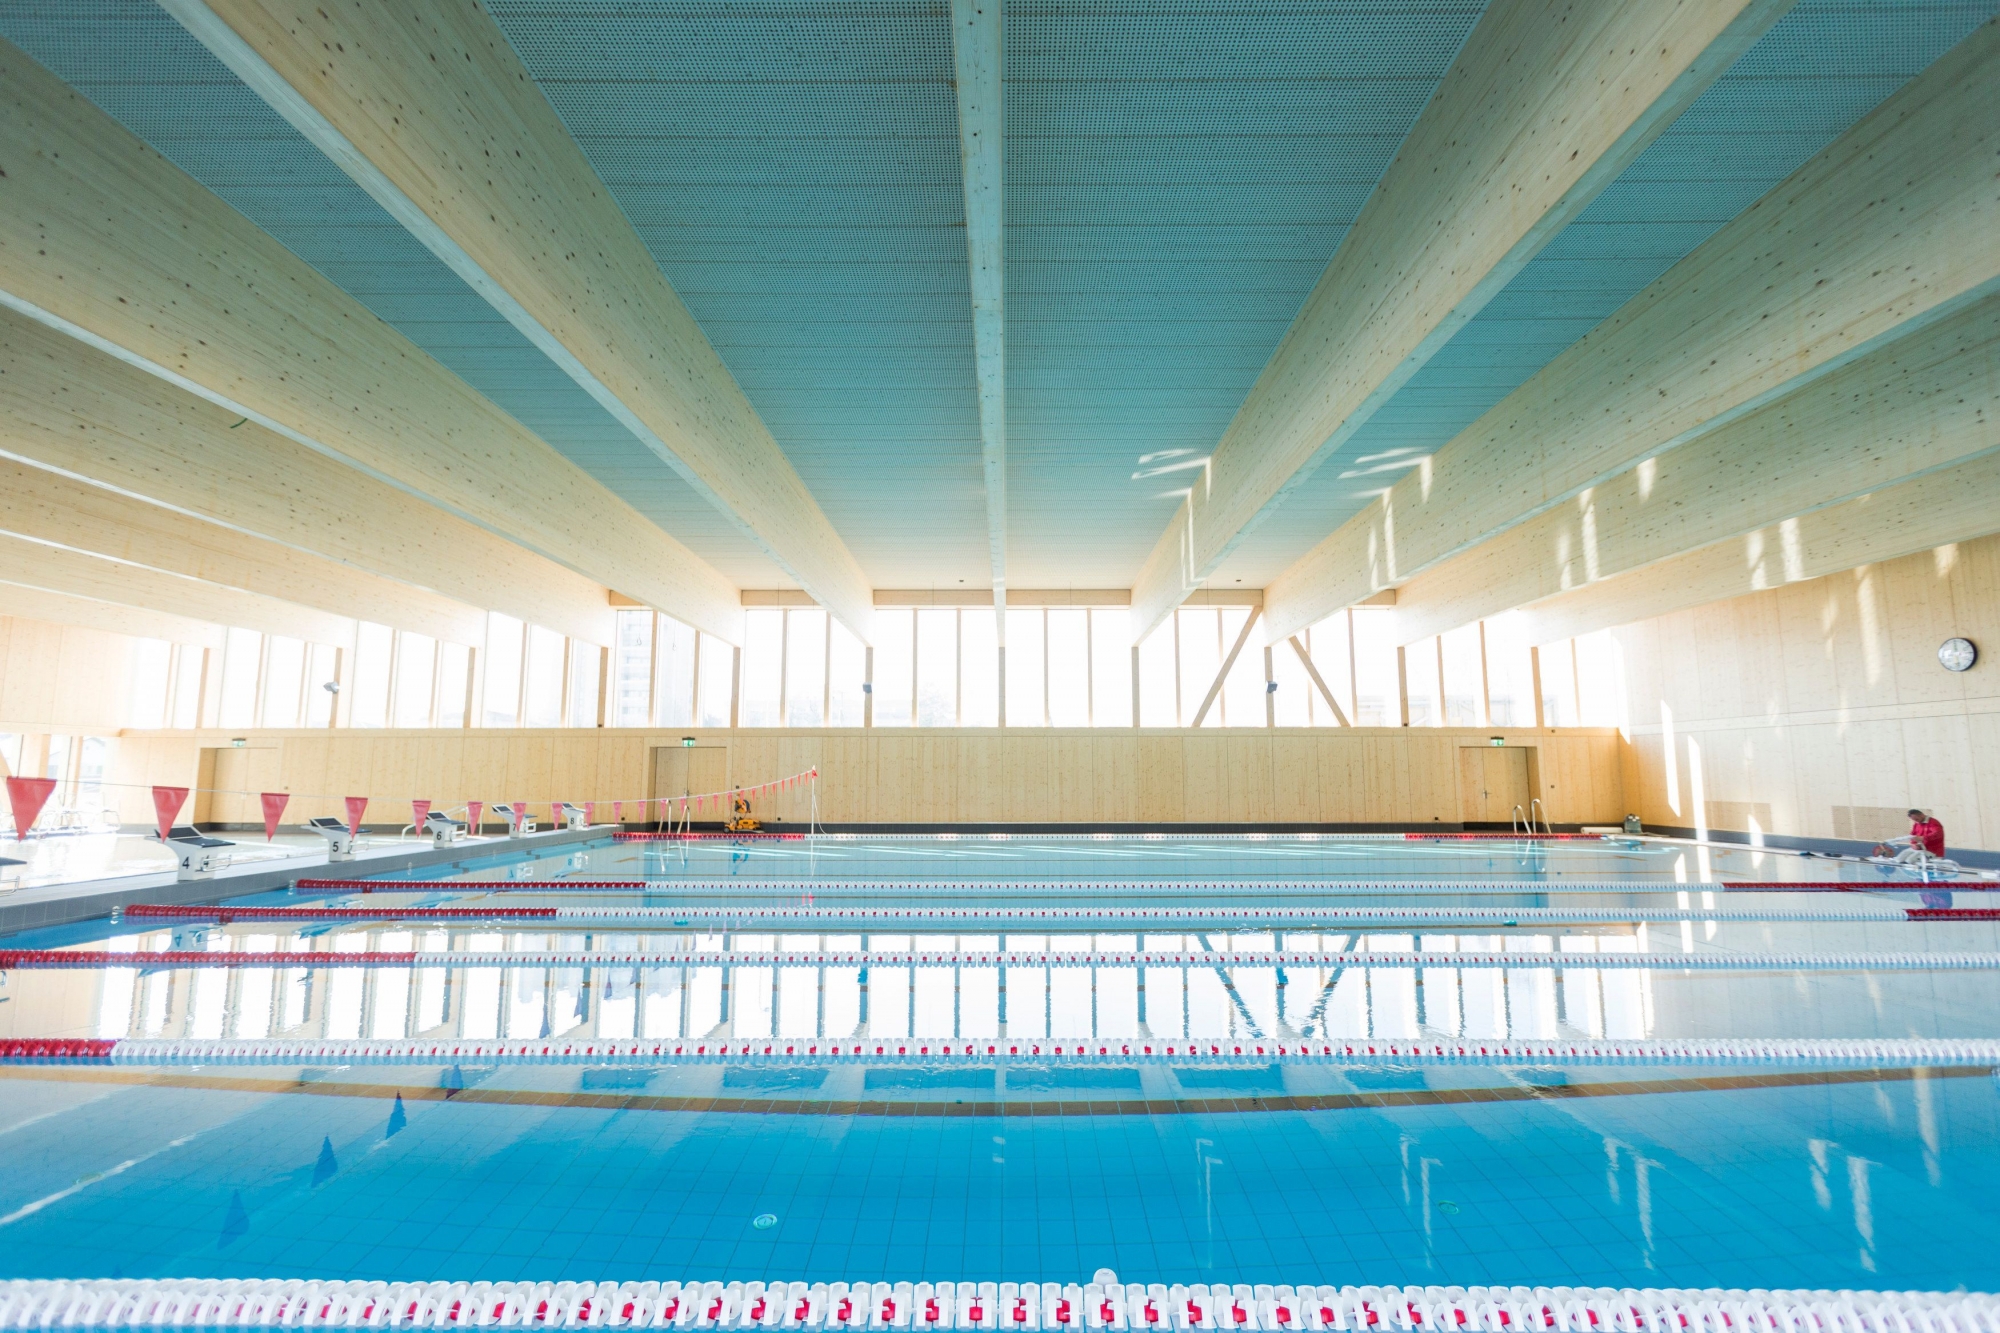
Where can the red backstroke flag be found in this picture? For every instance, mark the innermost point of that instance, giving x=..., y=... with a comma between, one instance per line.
x=274, y=810
x=355, y=806
x=27, y=796
x=167, y=803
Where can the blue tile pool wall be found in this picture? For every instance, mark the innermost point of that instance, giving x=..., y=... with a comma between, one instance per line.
x=1887, y=1184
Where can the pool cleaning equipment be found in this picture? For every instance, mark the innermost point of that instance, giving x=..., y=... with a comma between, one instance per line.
x=1222, y=1053
x=966, y=1307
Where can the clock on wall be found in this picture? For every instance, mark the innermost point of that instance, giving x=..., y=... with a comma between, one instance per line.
x=1957, y=654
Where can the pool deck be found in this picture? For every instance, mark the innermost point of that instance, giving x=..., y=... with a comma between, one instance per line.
x=60, y=904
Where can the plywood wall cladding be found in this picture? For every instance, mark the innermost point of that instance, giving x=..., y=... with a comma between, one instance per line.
x=919, y=776
x=1810, y=702
x=61, y=677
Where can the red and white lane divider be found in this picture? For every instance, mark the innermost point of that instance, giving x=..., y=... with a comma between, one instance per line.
x=310, y=885
x=758, y=835
x=967, y=1307
x=1865, y=1052
x=1015, y=888
x=1503, y=837
x=60, y=959
x=958, y=918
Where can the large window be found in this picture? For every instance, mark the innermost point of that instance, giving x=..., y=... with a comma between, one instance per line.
x=416, y=679
x=1065, y=666
x=242, y=653
x=284, y=681
x=544, y=671
x=674, y=674
x=374, y=651
x=805, y=667
x=895, y=667
x=505, y=637
x=936, y=665
x=763, y=667
x=978, y=668
x=150, y=702
x=631, y=669
x=586, y=670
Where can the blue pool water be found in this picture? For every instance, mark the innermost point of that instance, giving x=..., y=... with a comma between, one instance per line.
x=1778, y=1176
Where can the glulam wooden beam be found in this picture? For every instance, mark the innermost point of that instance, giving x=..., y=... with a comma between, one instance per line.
x=69, y=408
x=1548, y=102
x=57, y=608
x=1894, y=225
x=1954, y=504
x=430, y=110
x=80, y=574
x=104, y=240
x=978, y=56
x=1925, y=402
x=61, y=511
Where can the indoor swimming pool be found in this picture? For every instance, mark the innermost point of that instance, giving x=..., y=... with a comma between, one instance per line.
x=1190, y=1060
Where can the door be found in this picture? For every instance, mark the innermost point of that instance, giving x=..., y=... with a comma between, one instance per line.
x=223, y=774
x=683, y=770
x=1492, y=780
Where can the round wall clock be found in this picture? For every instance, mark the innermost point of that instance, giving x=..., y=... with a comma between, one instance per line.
x=1957, y=654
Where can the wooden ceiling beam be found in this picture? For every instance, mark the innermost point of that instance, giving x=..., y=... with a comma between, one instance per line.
x=1893, y=226
x=430, y=110
x=80, y=574
x=1953, y=504
x=56, y=608
x=68, y=408
x=106, y=241
x=1547, y=103
x=1928, y=401
x=48, y=507
x=978, y=50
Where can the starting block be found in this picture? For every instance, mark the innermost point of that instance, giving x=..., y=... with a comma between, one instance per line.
x=339, y=842
x=195, y=852
x=444, y=830
x=519, y=822
x=572, y=816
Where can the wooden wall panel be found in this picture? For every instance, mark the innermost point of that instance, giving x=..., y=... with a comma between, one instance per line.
x=1823, y=695
x=62, y=677
x=1247, y=776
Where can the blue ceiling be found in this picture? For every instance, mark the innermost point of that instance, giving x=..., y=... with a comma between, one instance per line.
x=1178, y=175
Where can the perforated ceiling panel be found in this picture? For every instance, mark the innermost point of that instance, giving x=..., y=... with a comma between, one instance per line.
x=1179, y=172
x=1817, y=71
x=794, y=169
x=136, y=63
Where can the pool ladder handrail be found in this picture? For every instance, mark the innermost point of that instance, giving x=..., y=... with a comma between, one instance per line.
x=1534, y=805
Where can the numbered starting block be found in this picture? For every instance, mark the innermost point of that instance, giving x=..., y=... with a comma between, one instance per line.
x=339, y=842
x=444, y=830
x=195, y=852
x=572, y=816
x=519, y=822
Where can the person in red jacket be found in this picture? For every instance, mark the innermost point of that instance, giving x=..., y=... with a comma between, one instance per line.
x=1926, y=834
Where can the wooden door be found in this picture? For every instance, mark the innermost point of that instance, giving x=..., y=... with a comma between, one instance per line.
x=1492, y=780
x=683, y=770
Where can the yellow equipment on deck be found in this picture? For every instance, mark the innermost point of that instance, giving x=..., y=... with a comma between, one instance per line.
x=744, y=822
